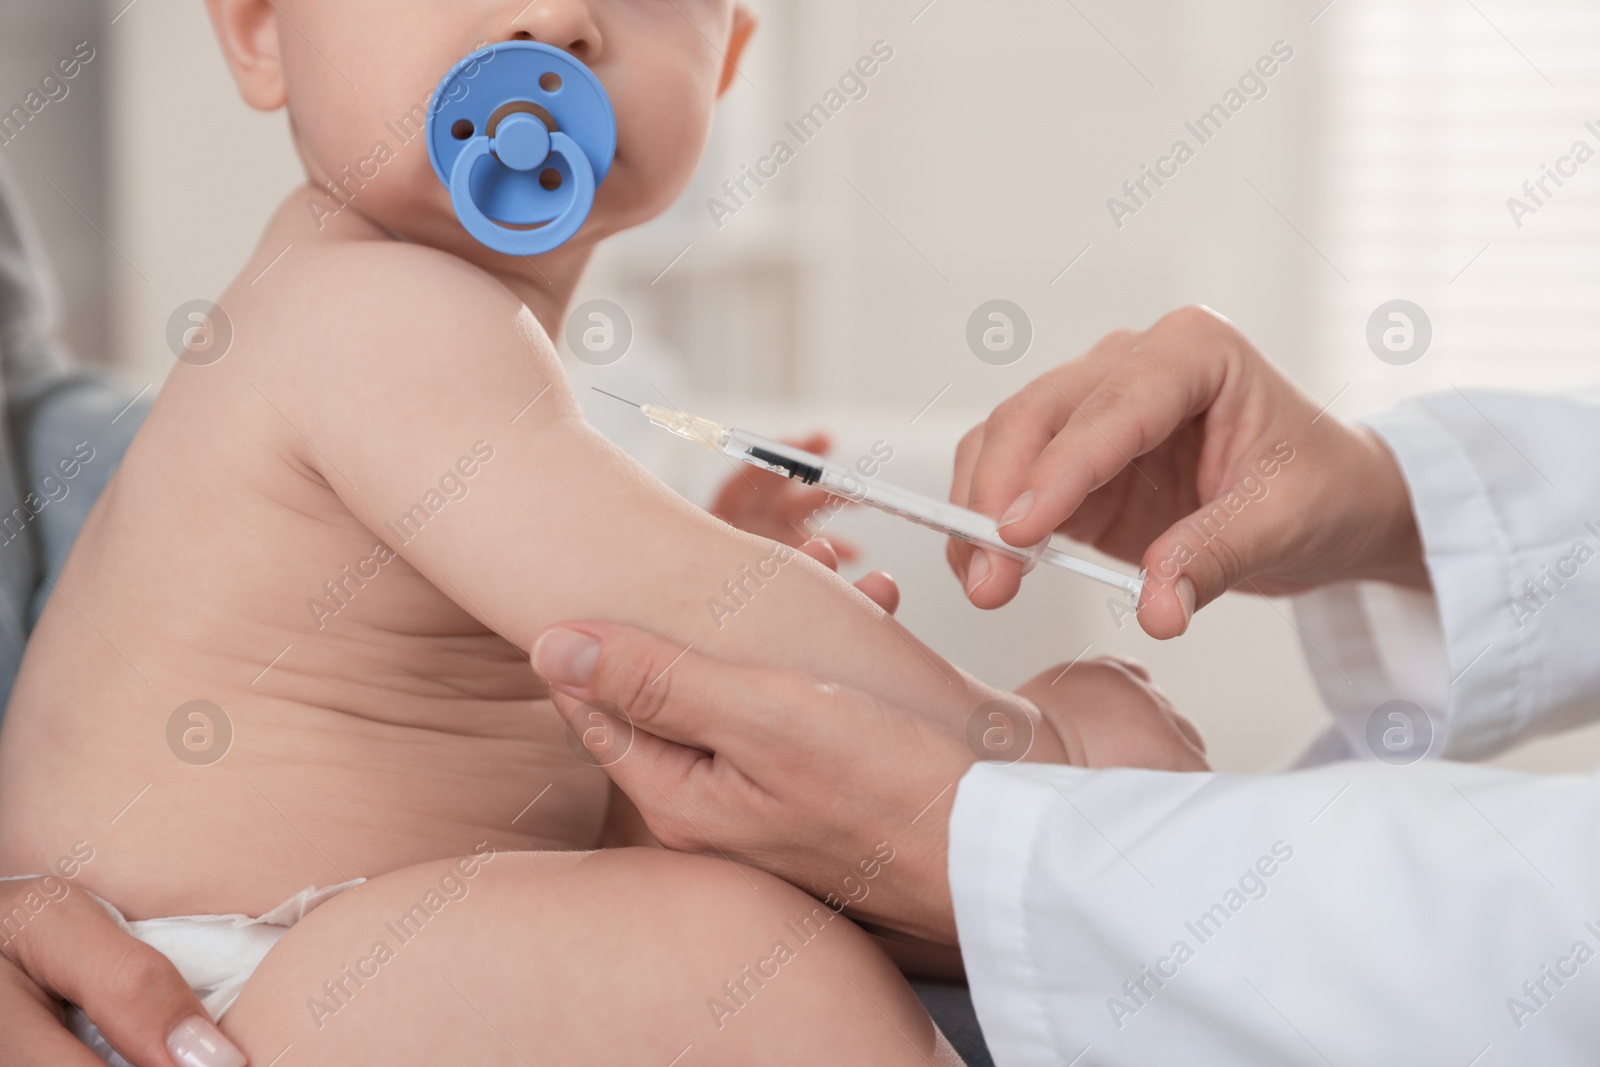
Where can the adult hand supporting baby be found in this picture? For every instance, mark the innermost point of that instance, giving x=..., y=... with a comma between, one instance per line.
x=831, y=789
x=1182, y=448
x=68, y=949
x=840, y=793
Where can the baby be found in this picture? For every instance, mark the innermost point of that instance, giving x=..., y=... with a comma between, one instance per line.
x=390, y=435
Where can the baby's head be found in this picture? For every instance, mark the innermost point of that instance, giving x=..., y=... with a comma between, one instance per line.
x=356, y=76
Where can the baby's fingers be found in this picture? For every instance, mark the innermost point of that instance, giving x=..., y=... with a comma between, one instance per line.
x=882, y=590
x=818, y=443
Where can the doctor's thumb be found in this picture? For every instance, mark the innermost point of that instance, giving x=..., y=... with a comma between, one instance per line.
x=1193, y=563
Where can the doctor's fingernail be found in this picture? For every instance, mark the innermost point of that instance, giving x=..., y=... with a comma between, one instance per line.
x=196, y=1042
x=977, y=571
x=1186, y=599
x=1019, y=508
x=566, y=657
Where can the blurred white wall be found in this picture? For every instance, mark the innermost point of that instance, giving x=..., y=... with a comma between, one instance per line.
x=977, y=166
x=194, y=173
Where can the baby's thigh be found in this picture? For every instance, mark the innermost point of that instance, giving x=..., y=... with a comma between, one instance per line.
x=621, y=956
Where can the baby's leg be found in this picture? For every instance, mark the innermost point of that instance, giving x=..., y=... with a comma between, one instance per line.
x=634, y=956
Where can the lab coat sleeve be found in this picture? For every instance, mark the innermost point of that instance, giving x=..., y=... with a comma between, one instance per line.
x=1358, y=913
x=1506, y=488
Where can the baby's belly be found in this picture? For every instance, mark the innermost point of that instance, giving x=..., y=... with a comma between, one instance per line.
x=212, y=746
x=186, y=808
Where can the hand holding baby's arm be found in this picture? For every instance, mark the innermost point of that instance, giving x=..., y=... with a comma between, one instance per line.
x=812, y=780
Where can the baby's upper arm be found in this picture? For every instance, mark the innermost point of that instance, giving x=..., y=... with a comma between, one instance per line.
x=435, y=406
x=393, y=352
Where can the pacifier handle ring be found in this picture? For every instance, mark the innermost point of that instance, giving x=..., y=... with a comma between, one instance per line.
x=522, y=242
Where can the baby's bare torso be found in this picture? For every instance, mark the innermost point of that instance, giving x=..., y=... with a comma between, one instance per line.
x=374, y=722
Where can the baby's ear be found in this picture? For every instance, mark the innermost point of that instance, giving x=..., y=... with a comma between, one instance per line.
x=744, y=27
x=247, y=30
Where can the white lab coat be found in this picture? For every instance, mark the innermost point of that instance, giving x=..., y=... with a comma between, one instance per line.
x=1358, y=913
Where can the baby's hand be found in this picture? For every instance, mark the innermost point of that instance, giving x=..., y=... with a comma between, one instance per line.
x=772, y=506
x=1108, y=714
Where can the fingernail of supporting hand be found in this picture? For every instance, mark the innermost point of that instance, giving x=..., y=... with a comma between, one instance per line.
x=977, y=571
x=1186, y=599
x=196, y=1042
x=1019, y=509
x=566, y=657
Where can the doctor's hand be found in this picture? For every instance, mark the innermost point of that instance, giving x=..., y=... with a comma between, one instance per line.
x=773, y=768
x=833, y=790
x=1183, y=449
x=68, y=949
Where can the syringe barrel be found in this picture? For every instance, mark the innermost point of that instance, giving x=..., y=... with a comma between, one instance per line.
x=946, y=518
x=949, y=519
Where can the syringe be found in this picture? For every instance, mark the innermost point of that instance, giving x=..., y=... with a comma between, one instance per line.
x=839, y=480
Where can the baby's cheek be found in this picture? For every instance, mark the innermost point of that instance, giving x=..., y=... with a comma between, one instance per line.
x=662, y=130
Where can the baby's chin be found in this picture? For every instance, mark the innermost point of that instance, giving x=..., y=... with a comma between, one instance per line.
x=415, y=207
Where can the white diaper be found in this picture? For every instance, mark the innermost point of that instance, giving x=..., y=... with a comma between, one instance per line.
x=215, y=954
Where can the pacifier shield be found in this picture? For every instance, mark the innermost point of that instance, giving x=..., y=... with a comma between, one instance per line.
x=521, y=134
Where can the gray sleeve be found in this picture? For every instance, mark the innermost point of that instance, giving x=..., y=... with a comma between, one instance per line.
x=28, y=356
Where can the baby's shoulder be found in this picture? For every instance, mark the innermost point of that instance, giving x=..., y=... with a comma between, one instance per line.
x=343, y=307
x=353, y=268
x=382, y=344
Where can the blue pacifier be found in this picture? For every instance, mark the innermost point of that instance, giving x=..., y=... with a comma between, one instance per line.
x=521, y=134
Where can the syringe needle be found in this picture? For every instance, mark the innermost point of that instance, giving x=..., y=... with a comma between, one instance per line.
x=614, y=396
